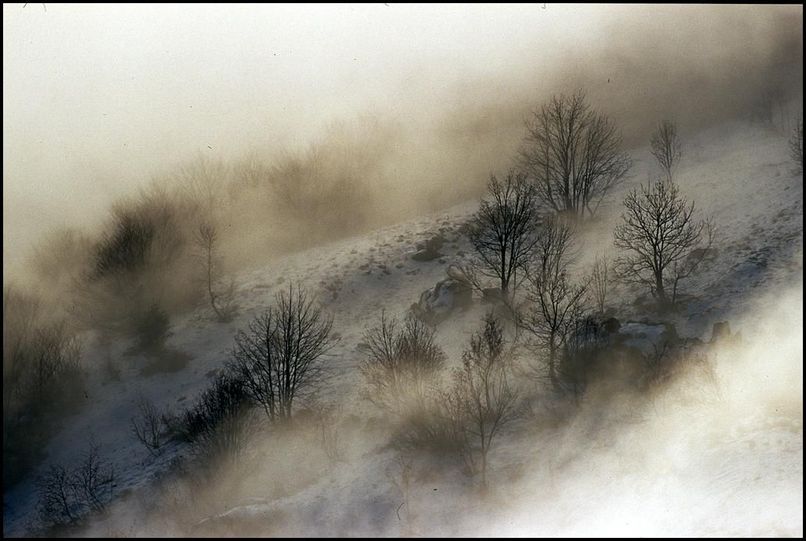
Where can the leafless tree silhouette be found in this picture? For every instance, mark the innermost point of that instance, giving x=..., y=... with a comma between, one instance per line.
x=279, y=358
x=502, y=231
x=482, y=400
x=400, y=363
x=207, y=241
x=665, y=147
x=572, y=154
x=64, y=496
x=662, y=240
x=555, y=303
x=600, y=282
x=147, y=427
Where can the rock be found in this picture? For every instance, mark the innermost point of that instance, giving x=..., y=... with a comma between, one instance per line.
x=702, y=253
x=643, y=336
x=670, y=333
x=720, y=331
x=492, y=295
x=429, y=250
x=611, y=325
x=437, y=304
x=425, y=255
x=435, y=243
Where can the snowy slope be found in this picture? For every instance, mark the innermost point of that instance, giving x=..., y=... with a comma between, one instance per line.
x=728, y=467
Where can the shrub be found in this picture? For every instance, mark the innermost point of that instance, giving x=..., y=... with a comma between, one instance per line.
x=225, y=399
x=65, y=496
x=125, y=248
x=400, y=363
x=152, y=329
x=147, y=427
x=42, y=380
x=481, y=400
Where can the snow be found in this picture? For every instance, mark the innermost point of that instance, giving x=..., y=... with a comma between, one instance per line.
x=728, y=467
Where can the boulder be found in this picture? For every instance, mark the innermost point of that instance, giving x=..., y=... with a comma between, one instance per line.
x=425, y=255
x=720, y=331
x=429, y=250
x=611, y=325
x=492, y=295
x=448, y=295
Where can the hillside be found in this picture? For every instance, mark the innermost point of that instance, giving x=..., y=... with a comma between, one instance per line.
x=683, y=463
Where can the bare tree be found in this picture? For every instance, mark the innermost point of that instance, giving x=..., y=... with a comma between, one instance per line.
x=572, y=155
x=600, y=282
x=147, y=427
x=401, y=475
x=94, y=479
x=502, y=231
x=662, y=240
x=66, y=495
x=326, y=417
x=796, y=145
x=400, y=363
x=279, y=358
x=56, y=498
x=666, y=147
x=580, y=351
x=555, y=303
x=207, y=241
x=482, y=401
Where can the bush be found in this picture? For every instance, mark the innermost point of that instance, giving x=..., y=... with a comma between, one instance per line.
x=432, y=427
x=65, y=496
x=481, y=400
x=42, y=380
x=152, y=329
x=400, y=364
x=126, y=247
x=147, y=427
x=140, y=259
x=225, y=400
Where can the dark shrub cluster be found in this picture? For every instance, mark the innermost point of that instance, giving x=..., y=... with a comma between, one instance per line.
x=42, y=380
x=225, y=399
x=67, y=495
x=125, y=247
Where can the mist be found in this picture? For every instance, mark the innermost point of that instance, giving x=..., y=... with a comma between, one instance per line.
x=147, y=89
x=325, y=148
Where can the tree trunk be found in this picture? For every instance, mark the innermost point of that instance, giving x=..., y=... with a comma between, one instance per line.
x=552, y=355
x=660, y=292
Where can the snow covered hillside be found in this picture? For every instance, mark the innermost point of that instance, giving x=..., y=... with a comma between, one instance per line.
x=727, y=462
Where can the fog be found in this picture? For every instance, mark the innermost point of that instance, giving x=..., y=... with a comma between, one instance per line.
x=98, y=100
x=285, y=127
x=706, y=454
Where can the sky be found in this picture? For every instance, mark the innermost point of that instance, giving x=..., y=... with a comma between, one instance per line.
x=99, y=99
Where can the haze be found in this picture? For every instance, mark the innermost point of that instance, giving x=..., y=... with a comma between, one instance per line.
x=99, y=99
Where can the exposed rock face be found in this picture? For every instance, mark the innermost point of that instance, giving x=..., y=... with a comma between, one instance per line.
x=429, y=250
x=611, y=325
x=448, y=295
x=721, y=332
x=492, y=295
